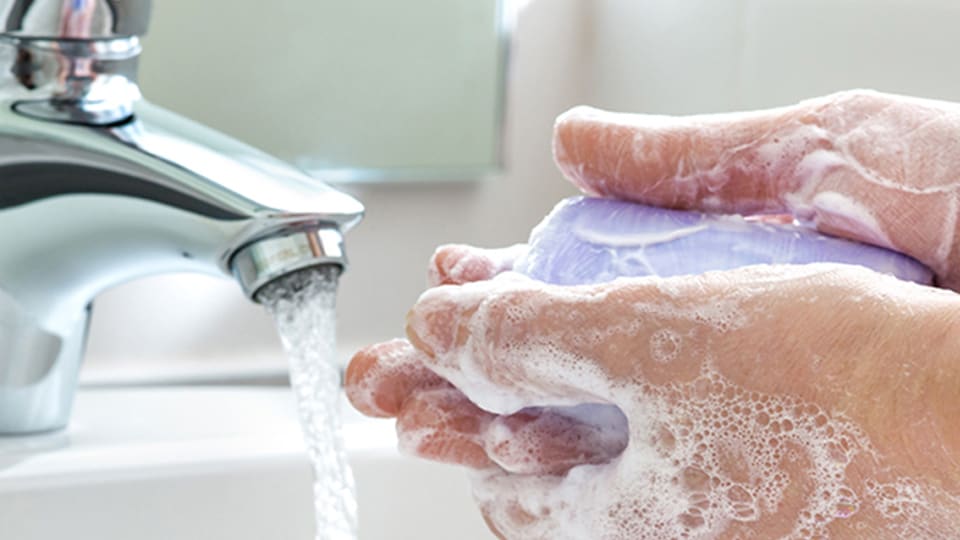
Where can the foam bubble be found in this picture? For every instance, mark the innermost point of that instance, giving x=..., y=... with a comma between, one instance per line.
x=664, y=346
x=703, y=458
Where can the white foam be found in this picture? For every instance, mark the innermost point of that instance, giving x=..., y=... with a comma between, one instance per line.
x=914, y=511
x=704, y=456
x=856, y=218
x=440, y=406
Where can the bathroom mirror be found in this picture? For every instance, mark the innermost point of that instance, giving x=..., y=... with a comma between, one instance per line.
x=358, y=90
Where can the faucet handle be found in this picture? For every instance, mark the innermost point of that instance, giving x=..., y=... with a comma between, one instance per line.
x=75, y=61
x=74, y=19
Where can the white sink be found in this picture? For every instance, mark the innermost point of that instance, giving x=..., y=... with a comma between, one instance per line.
x=202, y=463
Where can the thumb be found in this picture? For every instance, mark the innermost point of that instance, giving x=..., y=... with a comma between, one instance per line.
x=512, y=344
x=454, y=264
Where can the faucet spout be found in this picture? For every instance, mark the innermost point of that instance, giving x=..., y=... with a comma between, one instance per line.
x=86, y=207
x=98, y=186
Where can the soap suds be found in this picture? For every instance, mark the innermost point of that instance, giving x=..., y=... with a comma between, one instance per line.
x=704, y=456
x=839, y=211
x=664, y=346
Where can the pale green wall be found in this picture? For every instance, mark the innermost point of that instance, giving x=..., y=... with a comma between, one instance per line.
x=358, y=83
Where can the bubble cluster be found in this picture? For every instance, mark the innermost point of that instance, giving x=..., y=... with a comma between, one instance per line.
x=731, y=454
x=664, y=346
x=458, y=263
x=912, y=510
x=707, y=458
x=895, y=500
x=437, y=420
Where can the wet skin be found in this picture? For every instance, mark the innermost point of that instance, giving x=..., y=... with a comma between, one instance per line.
x=858, y=349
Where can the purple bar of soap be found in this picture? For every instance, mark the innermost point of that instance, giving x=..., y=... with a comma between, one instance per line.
x=589, y=240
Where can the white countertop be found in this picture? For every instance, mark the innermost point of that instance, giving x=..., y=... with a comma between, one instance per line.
x=182, y=458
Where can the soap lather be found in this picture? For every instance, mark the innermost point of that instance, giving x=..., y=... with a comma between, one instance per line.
x=588, y=240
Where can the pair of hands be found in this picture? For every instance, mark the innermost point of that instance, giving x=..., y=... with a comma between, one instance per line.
x=790, y=401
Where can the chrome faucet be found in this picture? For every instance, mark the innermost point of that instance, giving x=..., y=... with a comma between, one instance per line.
x=98, y=186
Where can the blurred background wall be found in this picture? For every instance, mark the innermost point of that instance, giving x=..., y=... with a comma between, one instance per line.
x=658, y=56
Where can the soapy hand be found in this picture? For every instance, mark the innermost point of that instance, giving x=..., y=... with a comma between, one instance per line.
x=760, y=402
x=877, y=168
x=772, y=402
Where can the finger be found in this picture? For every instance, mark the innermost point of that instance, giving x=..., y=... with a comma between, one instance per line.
x=718, y=162
x=443, y=425
x=553, y=441
x=455, y=264
x=534, y=506
x=381, y=377
x=509, y=345
x=494, y=528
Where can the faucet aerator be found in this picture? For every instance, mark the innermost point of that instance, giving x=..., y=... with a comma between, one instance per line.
x=265, y=260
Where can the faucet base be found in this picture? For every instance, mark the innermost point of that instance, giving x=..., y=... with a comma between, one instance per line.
x=38, y=372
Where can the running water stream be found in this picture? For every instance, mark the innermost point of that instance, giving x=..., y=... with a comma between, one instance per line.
x=302, y=305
